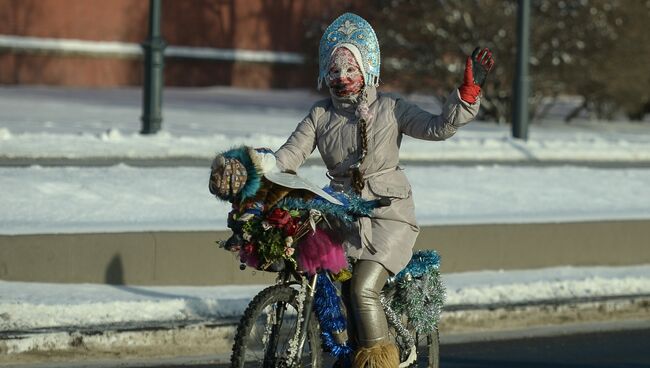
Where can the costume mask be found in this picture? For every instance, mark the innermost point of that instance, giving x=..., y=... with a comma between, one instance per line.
x=344, y=75
x=354, y=33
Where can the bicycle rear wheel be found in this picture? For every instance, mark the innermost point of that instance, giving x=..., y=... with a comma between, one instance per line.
x=427, y=348
x=266, y=329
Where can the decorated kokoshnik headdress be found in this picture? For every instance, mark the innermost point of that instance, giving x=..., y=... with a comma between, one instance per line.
x=353, y=30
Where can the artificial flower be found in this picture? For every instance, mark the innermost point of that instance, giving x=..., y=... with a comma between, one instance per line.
x=278, y=217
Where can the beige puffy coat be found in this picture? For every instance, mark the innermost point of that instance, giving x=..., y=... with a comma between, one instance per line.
x=389, y=235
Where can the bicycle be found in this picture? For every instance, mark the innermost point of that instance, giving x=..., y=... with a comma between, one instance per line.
x=282, y=223
x=282, y=316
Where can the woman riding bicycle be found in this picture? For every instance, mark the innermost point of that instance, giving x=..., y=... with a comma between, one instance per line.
x=358, y=132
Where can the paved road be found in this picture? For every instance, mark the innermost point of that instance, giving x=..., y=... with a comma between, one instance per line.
x=609, y=349
x=624, y=349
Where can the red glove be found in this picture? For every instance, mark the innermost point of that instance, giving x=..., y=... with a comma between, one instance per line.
x=477, y=68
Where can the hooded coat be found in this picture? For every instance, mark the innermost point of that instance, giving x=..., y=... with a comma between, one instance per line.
x=389, y=235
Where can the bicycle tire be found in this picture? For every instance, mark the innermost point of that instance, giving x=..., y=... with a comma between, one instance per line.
x=431, y=350
x=427, y=348
x=243, y=354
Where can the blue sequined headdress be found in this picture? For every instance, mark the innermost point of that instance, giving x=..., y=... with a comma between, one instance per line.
x=351, y=29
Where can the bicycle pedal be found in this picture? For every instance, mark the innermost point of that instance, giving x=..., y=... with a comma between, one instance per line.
x=412, y=358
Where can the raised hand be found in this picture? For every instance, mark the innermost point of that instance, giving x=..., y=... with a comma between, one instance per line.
x=477, y=68
x=482, y=63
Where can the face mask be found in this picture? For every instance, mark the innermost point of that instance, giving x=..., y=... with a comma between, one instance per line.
x=344, y=77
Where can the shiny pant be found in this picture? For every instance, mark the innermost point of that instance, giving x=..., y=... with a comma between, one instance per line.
x=366, y=318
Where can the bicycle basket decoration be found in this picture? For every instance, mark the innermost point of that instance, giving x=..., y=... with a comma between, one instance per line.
x=279, y=219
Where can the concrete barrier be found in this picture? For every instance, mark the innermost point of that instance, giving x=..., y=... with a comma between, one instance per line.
x=193, y=258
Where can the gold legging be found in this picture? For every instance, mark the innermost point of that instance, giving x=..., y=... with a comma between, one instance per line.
x=366, y=318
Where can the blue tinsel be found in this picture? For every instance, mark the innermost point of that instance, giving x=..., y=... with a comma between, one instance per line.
x=328, y=310
x=421, y=263
x=353, y=205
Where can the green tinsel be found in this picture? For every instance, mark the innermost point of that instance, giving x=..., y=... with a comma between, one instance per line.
x=421, y=299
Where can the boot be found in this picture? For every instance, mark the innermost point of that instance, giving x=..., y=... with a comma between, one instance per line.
x=384, y=355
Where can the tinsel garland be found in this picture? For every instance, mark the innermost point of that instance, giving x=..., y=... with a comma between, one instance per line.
x=420, y=292
x=394, y=320
x=421, y=263
x=353, y=206
x=421, y=299
x=353, y=202
x=328, y=311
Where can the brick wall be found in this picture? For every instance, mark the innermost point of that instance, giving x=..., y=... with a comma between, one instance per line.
x=272, y=25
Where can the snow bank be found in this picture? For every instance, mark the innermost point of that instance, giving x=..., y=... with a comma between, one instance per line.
x=123, y=198
x=556, y=283
x=76, y=123
x=489, y=145
x=35, y=305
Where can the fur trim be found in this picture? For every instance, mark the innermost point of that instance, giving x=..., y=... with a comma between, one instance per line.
x=264, y=160
x=256, y=159
x=383, y=355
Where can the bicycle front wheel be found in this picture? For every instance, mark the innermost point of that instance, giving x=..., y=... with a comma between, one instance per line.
x=267, y=328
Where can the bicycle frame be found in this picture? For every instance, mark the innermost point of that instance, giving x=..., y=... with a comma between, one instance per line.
x=309, y=301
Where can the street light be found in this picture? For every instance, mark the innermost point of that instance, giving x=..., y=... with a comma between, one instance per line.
x=154, y=63
x=521, y=87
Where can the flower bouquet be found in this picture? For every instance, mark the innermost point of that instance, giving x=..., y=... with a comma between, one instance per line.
x=278, y=224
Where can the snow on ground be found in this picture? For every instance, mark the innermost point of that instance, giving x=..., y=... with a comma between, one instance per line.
x=36, y=305
x=46, y=123
x=483, y=143
x=556, y=283
x=37, y=122
x=125, y=198
x=72, y=123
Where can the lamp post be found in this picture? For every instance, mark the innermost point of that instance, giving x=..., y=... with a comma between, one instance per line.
x=154, y=62
x=521, y=86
